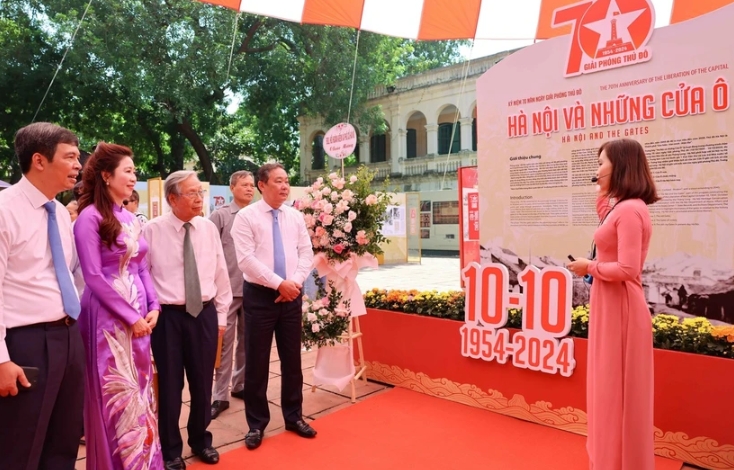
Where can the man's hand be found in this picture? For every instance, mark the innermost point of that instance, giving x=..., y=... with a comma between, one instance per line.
x=141, y=328
x=222, y=329
x=10, y=374
x=152, y=318
x=289, y=290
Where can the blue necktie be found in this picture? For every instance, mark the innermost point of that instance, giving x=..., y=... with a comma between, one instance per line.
x=278, y=252
x=68, y=293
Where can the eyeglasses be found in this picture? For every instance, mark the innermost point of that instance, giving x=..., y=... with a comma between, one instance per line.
x=195, y=194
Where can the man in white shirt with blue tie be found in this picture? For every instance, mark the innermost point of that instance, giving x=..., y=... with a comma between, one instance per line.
x=275, y=255
x=40, y=422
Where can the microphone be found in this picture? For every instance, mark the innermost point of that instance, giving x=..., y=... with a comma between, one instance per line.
x=595, y=179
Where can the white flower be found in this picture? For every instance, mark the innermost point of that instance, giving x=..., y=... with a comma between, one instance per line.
x=348, y=227
x=351, y=216
x=312, y=317
x=353, y=179
x=315, y=328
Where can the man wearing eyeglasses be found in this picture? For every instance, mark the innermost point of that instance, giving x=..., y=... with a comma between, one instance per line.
x=190, y=275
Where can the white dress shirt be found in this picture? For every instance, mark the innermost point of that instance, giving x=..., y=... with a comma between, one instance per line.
x=165, y=236
x=252, y=232
x=30, y=291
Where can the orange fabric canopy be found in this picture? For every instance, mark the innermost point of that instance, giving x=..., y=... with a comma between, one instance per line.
x=451, y=19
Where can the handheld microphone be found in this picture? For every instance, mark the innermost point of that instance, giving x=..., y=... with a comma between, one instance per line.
x=595, y=179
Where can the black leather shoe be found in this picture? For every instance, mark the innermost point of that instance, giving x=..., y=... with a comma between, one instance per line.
x=253, y=439
x=240, y=394
x=175, y=464
x=208, y=455
x=218, y=406
x=301, y=428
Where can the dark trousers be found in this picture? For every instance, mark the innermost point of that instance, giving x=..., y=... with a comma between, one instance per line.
x=263, y=317
x=182, y=343
x=40, y=428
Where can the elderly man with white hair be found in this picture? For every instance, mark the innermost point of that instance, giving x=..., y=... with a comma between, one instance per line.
x=190, y=275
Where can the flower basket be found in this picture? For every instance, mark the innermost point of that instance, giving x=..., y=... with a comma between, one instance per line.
x=344, y=217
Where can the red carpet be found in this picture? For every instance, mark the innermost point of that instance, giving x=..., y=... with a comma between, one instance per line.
x=403, y=429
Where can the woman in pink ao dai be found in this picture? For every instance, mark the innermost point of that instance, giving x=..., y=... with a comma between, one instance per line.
x=619, y=384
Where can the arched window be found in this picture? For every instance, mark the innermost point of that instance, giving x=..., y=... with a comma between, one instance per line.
x=412, y=141
x=416, y=137
x=444, y=138
x=318, y=161
x=378, y=148
x=474, y=134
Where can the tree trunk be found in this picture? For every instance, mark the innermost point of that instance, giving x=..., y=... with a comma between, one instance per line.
x=206, y=162
x=177, y=151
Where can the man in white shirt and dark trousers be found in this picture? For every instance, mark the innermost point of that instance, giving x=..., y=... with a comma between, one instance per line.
x=40, y=424
x=275, y=255
x=189, y=273
x=242, y=185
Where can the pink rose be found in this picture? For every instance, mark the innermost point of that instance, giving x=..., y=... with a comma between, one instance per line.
x=334, y=196
x=326, y=191
x=326, y=219
x=333, y=176
x=362, y=238
x=308, y=218
x=320, y=232
x=353, y=179
x=339, y=184
x=371, y=200
x=338, y=248
x=339, y=233
x=347, y=195
x=351, y=216
x=324, y=240
x=348, y=227
x=328, y=208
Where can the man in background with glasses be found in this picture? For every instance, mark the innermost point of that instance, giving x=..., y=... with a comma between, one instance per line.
x=190, y=275
x=242, y=185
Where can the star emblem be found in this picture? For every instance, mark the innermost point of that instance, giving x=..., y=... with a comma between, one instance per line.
x=604, y=27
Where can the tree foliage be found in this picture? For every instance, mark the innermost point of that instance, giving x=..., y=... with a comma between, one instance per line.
x=156, y=75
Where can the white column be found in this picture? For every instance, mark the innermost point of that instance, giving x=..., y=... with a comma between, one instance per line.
x=304, y=147
x=402, y=138
x=395, y=154
x=466, y=133
x=364, y=149
x=432, y=139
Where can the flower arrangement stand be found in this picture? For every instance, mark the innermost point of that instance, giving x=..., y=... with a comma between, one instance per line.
x=354, y=333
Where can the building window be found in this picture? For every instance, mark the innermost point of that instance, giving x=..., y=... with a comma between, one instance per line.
x=474, y=134
x=445, y=212
x=444, y=138
x=378, y=148
x=318, y=161
x=412, y=139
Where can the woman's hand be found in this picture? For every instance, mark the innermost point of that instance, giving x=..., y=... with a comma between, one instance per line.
x=152, y=318
x=141, y=328
x=580, y=267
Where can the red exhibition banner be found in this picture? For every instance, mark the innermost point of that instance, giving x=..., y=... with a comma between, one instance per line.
x=469, y=216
